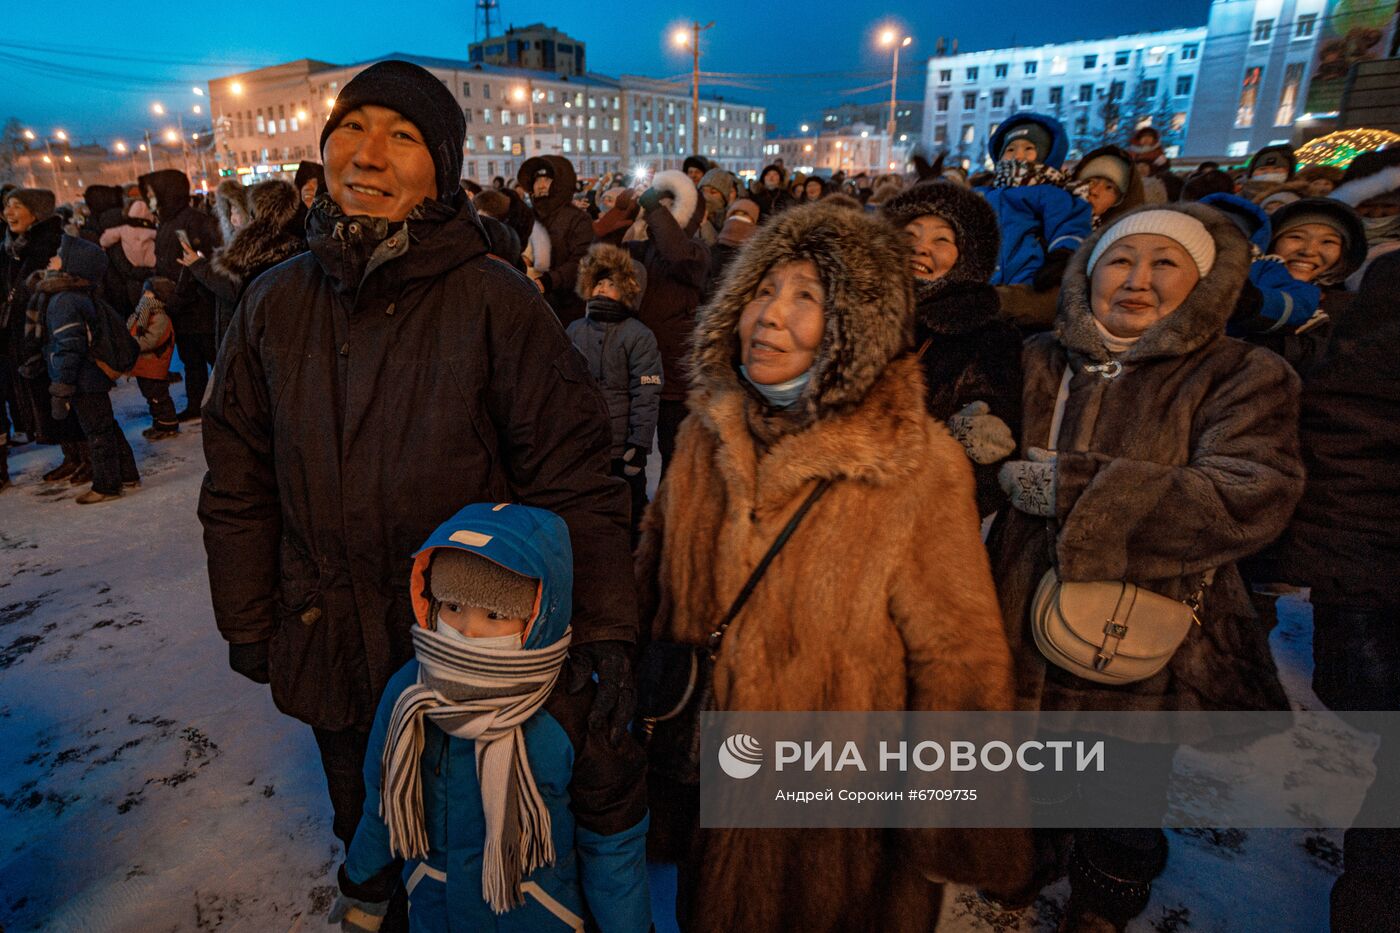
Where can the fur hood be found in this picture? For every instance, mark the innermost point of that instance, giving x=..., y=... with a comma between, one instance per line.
x=864, y=268
x=561, y=192
x=973, y=220
x=605, y=261
x=685, y=197
x=1200, y=318
x=269, y=236
x=230, y=192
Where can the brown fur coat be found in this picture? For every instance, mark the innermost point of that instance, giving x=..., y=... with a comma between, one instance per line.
x=1186, y=462
x=882, y=599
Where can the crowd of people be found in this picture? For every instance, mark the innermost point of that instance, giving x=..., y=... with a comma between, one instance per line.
x=426, y=513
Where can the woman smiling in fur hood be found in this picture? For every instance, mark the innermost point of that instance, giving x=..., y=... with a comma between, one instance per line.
x=882, y=599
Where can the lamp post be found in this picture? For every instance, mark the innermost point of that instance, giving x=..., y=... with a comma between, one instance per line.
x=691, y=36
x=891, y=38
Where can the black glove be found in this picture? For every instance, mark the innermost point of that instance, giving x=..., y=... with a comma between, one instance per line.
x=250, y=660
x=1052, y=271
x=616, y=700
x=651, y=199
x=634, y=460
x=59, y=406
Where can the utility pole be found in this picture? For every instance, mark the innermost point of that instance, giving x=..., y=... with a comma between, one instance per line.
x=693, y=39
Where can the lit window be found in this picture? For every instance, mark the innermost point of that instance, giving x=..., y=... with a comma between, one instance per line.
x=1288, y=98
x=1237, y=149
x=1059, y=65
x=1249, y=96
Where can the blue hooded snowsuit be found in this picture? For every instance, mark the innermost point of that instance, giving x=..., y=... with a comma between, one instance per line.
x=67, y=306
x=595, y=793
x=1034, y=219
x=1272, y=300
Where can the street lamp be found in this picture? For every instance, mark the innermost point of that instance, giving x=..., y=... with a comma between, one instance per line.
x=691, y=36
x=890, y=38
x=158, y=109
x=236, y=88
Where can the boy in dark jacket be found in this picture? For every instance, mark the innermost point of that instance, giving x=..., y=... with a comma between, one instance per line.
x=971, y=356
x=65, y=302
x=509, y=811
x=623, y=357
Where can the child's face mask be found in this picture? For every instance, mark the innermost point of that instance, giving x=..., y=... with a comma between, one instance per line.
x=1270, y=175
x=508, y=642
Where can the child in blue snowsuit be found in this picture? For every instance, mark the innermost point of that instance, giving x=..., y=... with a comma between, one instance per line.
x=510, y=813
x=1041, y=223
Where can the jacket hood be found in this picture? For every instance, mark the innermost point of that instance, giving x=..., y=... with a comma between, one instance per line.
x=605, y=261
x=864, y=267
x=102, y=198
x=1133, y=197
x=83, y=259
x=774, y=167
x=230, y=192
x=1246, y=215
x=1059, y=140
x=565, y=181
x=531, y=542
x=1280, y=156
x=1353, y=231
x=1200, y=318
x=270, y=236
x=172, y=190
x=685, y=197
x=972, y=218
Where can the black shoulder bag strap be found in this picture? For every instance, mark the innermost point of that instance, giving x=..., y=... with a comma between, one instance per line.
x=717, y=636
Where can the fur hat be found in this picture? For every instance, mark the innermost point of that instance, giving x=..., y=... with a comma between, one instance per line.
x=269, y=236
x=230, y=192
x=467, y=579
x=614, y=264
x=423, y=100
x=863, y=264
x=973, y=220
x=40, y=201
x=699, y=163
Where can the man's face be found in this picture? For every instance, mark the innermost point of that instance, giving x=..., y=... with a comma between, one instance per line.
x=378, y=165
x=541, y=186
x=695, y=174
x=308, y=191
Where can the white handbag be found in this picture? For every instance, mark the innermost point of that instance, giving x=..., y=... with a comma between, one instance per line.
x=1109, y=631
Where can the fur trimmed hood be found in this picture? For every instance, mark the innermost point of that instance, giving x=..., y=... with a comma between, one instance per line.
x=605, y=261
x=864, y=267
x=269, y=237
x=231, y=191
x=973, y=220
x=1200, y=318
x=685, y=197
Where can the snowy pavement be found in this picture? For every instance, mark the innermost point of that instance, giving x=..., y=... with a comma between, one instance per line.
x=146, y=787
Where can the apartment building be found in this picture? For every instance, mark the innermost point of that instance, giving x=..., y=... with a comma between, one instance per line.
x=1098, y=88
x=852, y=149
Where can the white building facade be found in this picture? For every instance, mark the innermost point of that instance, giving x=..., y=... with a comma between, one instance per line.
x=1100, y=89
x=858, y=148
x=267, y=120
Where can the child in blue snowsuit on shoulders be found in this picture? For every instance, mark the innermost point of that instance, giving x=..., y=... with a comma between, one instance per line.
x=1041, y=223
x=483, y=776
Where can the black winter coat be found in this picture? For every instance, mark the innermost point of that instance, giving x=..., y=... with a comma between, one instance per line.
x=365, y=392
x=17, y=263
x=973, y=356
x=676, y=264
x=570, y=235
x=1344, y=541
x=192, y=308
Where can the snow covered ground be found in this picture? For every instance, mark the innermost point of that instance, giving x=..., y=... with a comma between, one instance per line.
x=146, y=787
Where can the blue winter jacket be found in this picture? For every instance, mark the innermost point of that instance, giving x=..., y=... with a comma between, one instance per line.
x=66, y=303
x=1272, y=301
x=595, y=793
x=1035, y=219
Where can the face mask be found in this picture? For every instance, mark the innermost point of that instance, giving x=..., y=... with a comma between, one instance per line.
x=770, y=185
x=508, y=642
x=1270, y=175
x=1380, y=226
x=782, y=395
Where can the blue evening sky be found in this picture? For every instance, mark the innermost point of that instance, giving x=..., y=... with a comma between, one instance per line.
x=93, y=68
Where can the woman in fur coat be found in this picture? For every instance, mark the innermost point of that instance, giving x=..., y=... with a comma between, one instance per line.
x=881, y=600
x=1176, y=457
x=269, y=238
x=971, y=356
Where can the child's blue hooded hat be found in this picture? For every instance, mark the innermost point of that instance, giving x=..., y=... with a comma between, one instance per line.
x=1059, y=139
x=1253, y=222
x=531, y=542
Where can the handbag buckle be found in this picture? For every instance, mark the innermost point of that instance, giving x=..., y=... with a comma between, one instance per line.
x=1115, y=629
x=713, y=642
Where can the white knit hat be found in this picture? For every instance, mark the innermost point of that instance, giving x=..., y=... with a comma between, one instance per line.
x=1186, y=230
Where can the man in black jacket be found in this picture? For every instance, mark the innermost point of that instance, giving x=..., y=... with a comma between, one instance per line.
x=551, y=182
x=192, y=309
x=366, y=391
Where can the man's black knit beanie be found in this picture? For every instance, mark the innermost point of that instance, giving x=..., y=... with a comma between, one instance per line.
x=423, y=100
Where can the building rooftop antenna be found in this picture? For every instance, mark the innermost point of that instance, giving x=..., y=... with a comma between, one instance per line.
x=487, y=13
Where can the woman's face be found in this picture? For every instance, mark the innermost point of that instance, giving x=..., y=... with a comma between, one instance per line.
x=1308, y=250
x=814, y=190
x=1140, y=280
x=781, y=327
x=934, y=245
x=18, y=217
